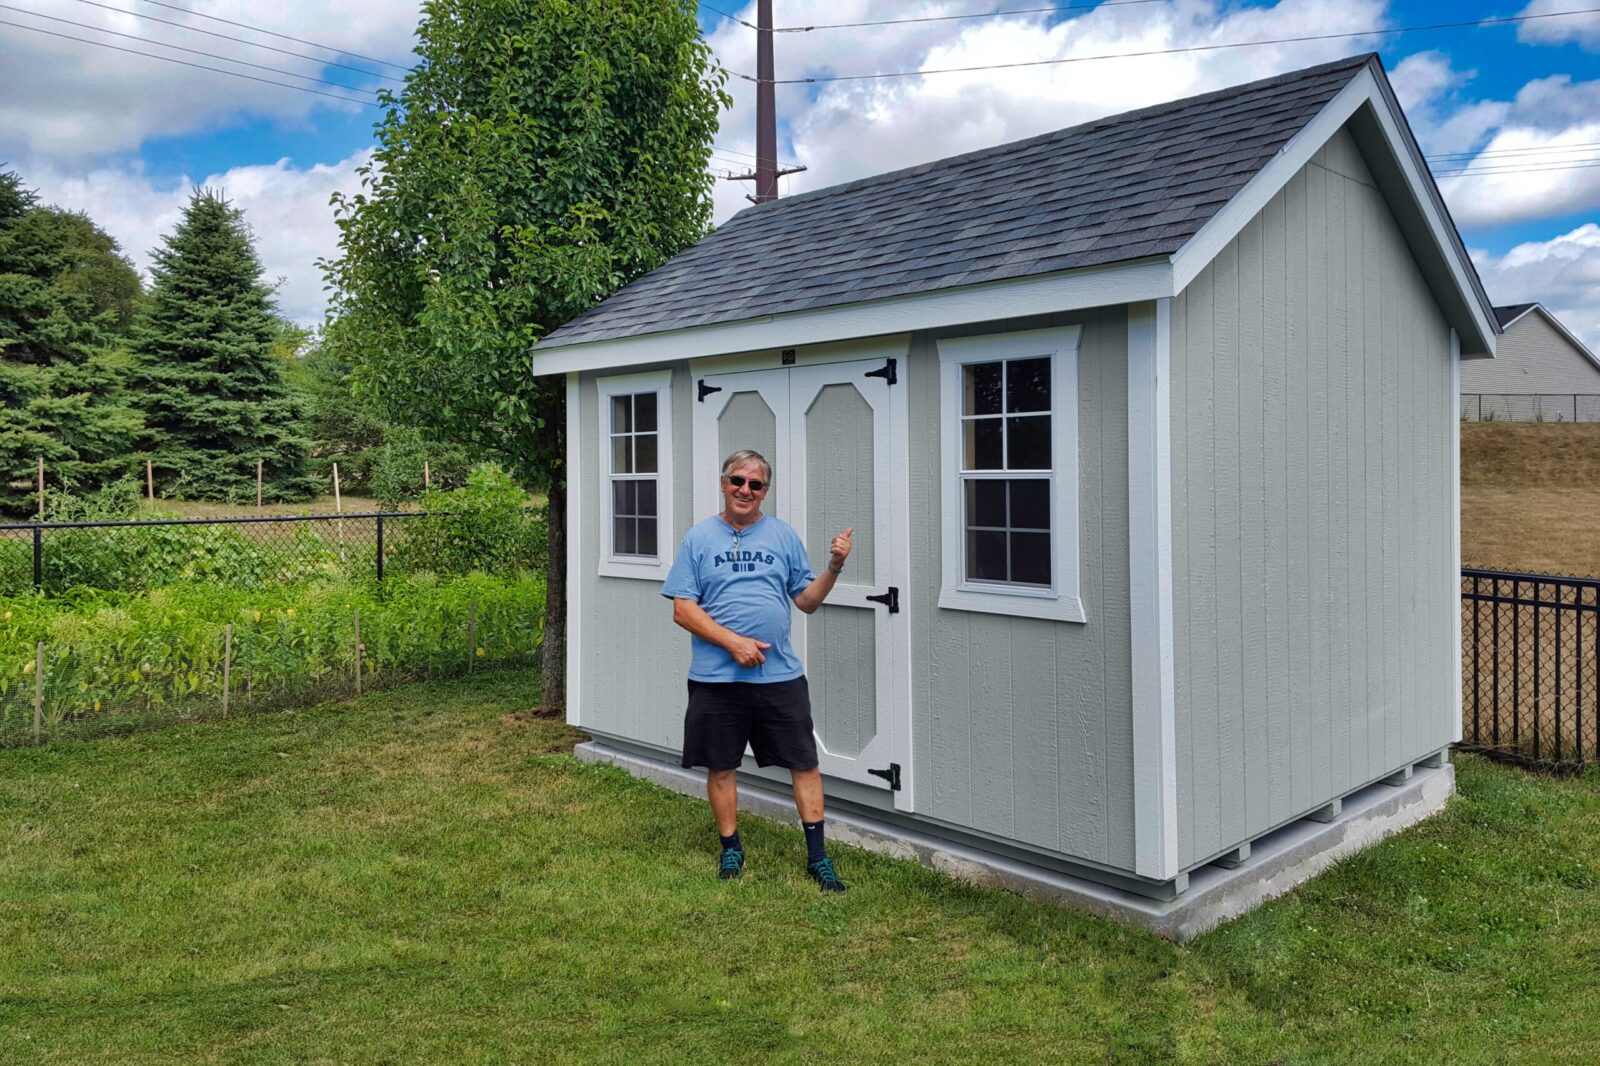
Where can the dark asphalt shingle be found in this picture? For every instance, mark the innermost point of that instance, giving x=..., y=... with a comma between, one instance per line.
x=1125, y=187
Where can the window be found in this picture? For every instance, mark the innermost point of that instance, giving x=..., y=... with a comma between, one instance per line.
x=635, y=482
x=1010, y=474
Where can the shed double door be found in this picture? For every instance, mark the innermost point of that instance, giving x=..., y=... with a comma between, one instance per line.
x=829, y=432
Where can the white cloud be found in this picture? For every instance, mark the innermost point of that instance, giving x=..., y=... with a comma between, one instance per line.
x=846, y=130
x=69, y=101
x=1582, y=28
x=285, y=206
x=1562, y=273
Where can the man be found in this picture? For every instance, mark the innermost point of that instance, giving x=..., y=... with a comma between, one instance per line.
x=731, y=585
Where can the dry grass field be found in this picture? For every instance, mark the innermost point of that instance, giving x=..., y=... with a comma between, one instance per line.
x=1530, y=496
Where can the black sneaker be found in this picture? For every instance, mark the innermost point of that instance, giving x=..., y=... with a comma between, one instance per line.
x=731, y=864
x=823, y=874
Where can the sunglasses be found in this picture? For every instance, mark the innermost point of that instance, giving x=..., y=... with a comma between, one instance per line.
x=755, y=483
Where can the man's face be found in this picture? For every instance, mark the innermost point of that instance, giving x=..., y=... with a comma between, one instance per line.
x=742, y=501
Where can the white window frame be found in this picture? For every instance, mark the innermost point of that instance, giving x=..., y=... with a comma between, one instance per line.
x=1061, y=602
x=644, y=568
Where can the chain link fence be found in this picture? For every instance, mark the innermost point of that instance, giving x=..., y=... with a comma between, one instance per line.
x=1530, y=680
x=1530, y=407
x=109, y=626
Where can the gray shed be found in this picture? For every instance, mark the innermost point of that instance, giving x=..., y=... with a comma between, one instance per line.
x=1148, y=429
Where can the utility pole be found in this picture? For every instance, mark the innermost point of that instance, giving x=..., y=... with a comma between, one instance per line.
x=766, y=174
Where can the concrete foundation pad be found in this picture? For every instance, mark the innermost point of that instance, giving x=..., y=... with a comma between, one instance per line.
x=1276, y=862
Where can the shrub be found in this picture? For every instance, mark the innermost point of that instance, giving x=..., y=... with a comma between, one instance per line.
x=397, y=468
x=490, y=524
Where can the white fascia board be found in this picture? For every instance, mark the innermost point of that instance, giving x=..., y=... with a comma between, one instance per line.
x=1364, y=88
x=1155, y=718
x=1015, y=298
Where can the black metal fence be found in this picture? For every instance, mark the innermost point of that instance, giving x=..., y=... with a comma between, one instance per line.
x=136, y=554
x=1531, y=667
x=1530, y=407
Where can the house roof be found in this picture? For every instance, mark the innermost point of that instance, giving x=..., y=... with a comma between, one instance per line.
x=1511, y=312
x=1127, y=187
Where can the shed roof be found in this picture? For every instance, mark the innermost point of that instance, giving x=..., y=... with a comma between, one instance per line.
x=1125, y=187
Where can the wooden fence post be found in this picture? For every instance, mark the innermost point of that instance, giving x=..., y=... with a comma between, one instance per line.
x=41, y=486
x=227, y=665
x=38, y=693
x=426, y=482
x=358, y=653
x=472, y=633
x=338, y=508
x=149, y=482
x=258, y=484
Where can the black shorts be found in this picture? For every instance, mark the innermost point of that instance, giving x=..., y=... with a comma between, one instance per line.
x=773, y=718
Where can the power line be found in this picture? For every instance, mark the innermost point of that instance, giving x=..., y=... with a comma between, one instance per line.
x=1577, y=164
x=198, y=66
x=280, y=36
x=230, y=37
x=1504, y=20
x=181, y=48
x=747, y=155
x=1516, y=151
x=953, y=18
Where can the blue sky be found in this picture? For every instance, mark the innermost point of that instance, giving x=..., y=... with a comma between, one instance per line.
x=124, y=137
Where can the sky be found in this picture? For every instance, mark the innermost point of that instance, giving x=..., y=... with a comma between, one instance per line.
x=125, y=137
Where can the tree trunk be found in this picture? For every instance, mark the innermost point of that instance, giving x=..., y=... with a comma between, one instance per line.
x=553, y=698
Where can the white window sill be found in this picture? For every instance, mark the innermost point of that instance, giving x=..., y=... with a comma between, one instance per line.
x=1019, y=604
x=643, y=570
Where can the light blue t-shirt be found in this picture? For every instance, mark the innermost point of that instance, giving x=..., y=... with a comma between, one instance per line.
x=748, y=590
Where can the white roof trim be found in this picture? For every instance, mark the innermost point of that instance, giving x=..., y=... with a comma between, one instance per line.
x=1364, y=88
x=1014, y=298
x=1115, y=283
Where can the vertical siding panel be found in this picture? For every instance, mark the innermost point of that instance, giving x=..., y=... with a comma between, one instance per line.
x=1086, y=645
x=1373, y=295
x=1339, y=434
x=1391, y=490
x=1229, y=608
x=1299, y=395
x=1351, y=648
x=1317, y=352
x=1110, y=329
x=1034, y=695
x=992, y=716
x=1182, y=597
x=1253, y=534
x=1275, y=423
x=1203, y=559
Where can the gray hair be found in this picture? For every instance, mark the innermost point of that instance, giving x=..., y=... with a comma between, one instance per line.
x=743, y=456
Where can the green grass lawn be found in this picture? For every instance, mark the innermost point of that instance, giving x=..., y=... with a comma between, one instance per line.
x=416, y=878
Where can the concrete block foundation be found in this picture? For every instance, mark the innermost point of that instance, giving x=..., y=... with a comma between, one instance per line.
x=1270, y=865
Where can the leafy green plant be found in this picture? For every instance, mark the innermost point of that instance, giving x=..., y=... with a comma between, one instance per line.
x=490, y=524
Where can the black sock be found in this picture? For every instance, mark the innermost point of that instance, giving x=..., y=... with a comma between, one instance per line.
x=732, y=842
x=815, y=848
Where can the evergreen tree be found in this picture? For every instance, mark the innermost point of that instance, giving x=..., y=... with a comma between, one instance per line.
x=207, y=382
x=66, y=293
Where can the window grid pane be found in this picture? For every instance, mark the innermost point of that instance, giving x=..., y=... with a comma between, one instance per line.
x=1006, y=428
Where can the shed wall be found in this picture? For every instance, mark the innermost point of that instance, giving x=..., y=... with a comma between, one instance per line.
x=1314, y=587
x=1023, y=728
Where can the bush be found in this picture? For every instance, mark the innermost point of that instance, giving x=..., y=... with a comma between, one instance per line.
x=397, y=468
x=490, y=524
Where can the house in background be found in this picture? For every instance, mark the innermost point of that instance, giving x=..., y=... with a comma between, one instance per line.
x=1541, y=373
x=1148, y=429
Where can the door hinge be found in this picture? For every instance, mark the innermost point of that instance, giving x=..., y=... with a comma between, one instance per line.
x=890, y=599
x=707, y=390
x=890, y=774
x=886, y=372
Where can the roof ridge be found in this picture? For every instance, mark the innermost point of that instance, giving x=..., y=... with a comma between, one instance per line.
x=1354, y=62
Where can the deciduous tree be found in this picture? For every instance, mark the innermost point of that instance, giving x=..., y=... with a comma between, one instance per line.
x=541, y=154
